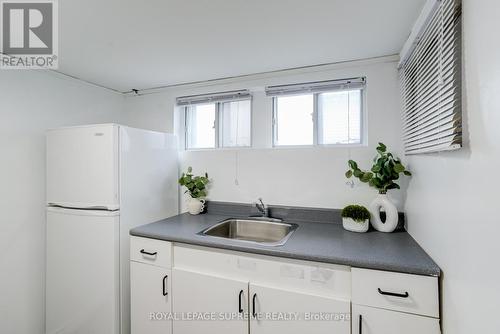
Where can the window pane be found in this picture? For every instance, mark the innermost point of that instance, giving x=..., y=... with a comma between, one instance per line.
x=294, y=120
x=200, y=122
x=236, y=123
x=339, y=116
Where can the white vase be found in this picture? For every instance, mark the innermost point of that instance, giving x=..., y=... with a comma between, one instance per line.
x=355, y=226
x=391, y=214
x=195, y=206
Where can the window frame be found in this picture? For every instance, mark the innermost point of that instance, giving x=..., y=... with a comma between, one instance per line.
x=316, y=122
x=218, y=124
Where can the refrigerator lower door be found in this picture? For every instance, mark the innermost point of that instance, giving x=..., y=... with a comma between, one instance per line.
x=82, y=279
x=82, y=167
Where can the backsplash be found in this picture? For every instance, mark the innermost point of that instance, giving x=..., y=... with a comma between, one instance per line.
x=287, y=213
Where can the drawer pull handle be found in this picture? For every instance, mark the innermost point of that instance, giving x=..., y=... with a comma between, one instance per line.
x=148, y=253
x=165, y=292
x=240, y=308
x=393, y=294
x=254, y=314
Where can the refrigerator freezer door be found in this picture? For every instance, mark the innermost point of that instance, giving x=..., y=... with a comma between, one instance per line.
x=82, y=279
x=82, y=167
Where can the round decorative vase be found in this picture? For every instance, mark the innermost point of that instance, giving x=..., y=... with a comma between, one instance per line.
x=195, y=206
x=391, y=214
x=355, y=226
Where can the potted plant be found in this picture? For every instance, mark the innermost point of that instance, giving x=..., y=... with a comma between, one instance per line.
x=355, y=218
x=197, y=190
x=385, y=171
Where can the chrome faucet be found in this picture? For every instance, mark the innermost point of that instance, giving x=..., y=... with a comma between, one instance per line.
x=264, y=213
x=262, y=208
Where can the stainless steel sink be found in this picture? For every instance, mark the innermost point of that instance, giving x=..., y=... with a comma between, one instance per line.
x=267, y=233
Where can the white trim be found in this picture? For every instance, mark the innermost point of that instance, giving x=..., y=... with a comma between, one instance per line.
x=425, y=16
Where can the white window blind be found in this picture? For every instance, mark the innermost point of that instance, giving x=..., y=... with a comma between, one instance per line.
x=214, y=97
x=316, y=87
x=430, y=78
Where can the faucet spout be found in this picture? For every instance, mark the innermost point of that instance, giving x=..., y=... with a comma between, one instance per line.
x=262, y=208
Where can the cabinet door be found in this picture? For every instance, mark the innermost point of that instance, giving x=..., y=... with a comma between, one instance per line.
x=150, y=299
x=274, y=310
x=369, y=320
x=202, y=302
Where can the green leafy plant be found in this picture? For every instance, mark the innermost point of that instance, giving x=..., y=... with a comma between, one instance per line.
x=357, y=212
x=385, y=170
x=196, y=185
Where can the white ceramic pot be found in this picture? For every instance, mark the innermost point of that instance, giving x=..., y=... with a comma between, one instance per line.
x=355, y=226
x=391, y=214
x=195, y=206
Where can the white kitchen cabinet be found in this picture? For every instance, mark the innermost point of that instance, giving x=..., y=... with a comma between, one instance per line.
x=207, y=304
x=370, y=320
x=151, y=299
x=274, y=310
x=216, y=291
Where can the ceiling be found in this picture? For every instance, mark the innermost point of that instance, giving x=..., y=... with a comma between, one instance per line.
x=130, y=44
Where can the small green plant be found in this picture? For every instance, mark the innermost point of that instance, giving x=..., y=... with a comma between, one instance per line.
x=384, y=172
x=196, y=185
x=357, y=212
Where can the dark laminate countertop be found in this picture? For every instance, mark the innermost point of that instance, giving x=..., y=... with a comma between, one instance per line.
x=313, y=240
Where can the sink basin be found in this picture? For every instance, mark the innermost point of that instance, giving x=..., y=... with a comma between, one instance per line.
x=267, y=233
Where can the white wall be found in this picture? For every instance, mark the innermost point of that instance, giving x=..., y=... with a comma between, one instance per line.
x=453, y=199
x=30, y=103
x=304, y=176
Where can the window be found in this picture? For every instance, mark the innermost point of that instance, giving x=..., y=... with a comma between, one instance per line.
x=430, y=75
x=339, y=117
x=200, y=126
x=235, y=123
x=323, y=113
x=217, y=120
x=294, y=120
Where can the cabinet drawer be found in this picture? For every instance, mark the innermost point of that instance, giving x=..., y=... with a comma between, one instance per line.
x=369, y=320
x=395, y=291
x=321, y=279
x=151, y=251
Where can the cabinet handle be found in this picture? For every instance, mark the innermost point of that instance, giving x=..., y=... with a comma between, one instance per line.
x=148, y=253
x=393, y=294
x=165, y=292
x=360, y=324
x=253, y=305
x=240, y=309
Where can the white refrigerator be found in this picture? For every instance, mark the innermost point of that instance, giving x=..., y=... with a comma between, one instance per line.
x=102, y=180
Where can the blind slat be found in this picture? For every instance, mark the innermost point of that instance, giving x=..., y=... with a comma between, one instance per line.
x=444, y=124
x=431, y=89
x=435, y=102
x=444, y=138
x=423, y=124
